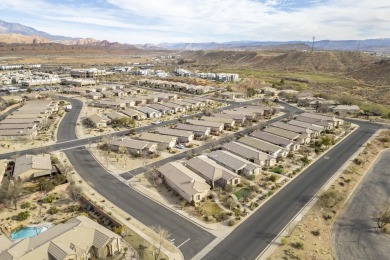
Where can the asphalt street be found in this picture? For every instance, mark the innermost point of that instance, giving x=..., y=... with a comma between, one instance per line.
x=67, y=128
x=249, y=239
x=140, y=207
x=354, y=234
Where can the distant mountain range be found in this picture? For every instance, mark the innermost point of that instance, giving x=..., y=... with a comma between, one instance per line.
x=18, y=33
x=375, y=45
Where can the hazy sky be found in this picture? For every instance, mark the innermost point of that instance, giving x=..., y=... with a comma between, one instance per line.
x=156, y=21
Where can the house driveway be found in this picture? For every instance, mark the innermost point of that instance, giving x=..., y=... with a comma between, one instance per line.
x=354, y=235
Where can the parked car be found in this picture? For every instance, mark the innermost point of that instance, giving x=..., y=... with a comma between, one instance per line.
x=156, y=123
x=180, y=146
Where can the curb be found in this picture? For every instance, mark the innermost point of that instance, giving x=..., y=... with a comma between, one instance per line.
x=313, y=200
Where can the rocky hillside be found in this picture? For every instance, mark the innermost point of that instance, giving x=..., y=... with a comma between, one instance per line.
x=324, y=61
x=56, y=49
x=377, y=73
x=19, y=38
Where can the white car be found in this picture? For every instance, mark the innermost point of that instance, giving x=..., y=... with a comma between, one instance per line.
x=156, y=123
x=180, y=146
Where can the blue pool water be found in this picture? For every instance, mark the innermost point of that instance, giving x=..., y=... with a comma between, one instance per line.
x=27, y=232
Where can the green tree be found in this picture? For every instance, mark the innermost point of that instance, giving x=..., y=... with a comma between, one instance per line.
x=250, y=92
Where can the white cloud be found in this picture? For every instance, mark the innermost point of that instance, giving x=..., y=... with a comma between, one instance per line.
x=212, y=20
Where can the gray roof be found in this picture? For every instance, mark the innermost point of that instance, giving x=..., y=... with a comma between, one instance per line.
x=79, y=232
x=246, y=151
x=217, y=119
x=131, y=143
x=115, y=115
x=32, y=162
x=313, y=121
x=229, y=160
x=174, y=132
x=159, y=107
x=232, y=116
x=147, y=110
x=320, y=117
x=132, y=112
x=259, y=144
x=204, y=123
x=157, y=138
x=292, y=128
x=210, y=169
x=271, y=138
x=316, y=128
x=96, y=119
x=281, y=132
x=194, y=128
x=185, y=179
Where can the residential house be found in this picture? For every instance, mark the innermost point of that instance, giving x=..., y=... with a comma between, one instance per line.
x=296, y=129
x=239, y=119
x=94, y=95
x=232, y=95
x=187, y=106
x=175, y=107
x=182, y=135
x=234, y=163
x=271, y=149
x=325, y=124
x=188, y=184
x=249, y=115
x=228, y=123
x=96, y=121
x=135, y=147
x=281, y=132
x=315, y=128
x=150, y=112
x=163, y=109
x=197, y=103
x=214, y=126
x=346, y=109
x=199, y=131
x=77, y=238
x=277, y=140
x=18, y=134
x=164, y=141
x=129, y=102
x=213, y=173
x=109, y=104
x=114, y=116
x=335, y=121
x=249, y=153
x=134, y=114
x=32, y=166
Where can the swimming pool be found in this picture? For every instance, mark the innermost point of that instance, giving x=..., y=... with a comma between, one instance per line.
x=25, y=232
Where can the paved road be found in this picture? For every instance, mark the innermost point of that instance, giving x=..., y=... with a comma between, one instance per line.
x=253, y=236
x=354, y=233
x=137, y=205
x=67, y=128
x=64, y=133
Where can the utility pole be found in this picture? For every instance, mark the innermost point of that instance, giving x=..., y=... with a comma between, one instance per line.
x=312, y=45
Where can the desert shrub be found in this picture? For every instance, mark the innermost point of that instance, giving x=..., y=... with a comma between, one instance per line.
x=272, y=178
x=358, y=161
x=49, y=198
x=331, y=198
x=231, y=222
x=327, y=216
x=299, y=245
x=25, y=205
x=316, y=232
x=22, y=216
x=284, y=240
x=53, y=210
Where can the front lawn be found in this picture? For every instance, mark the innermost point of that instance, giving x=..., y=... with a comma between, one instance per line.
x=278, y=169
x=242, y=193
x=211, y=209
